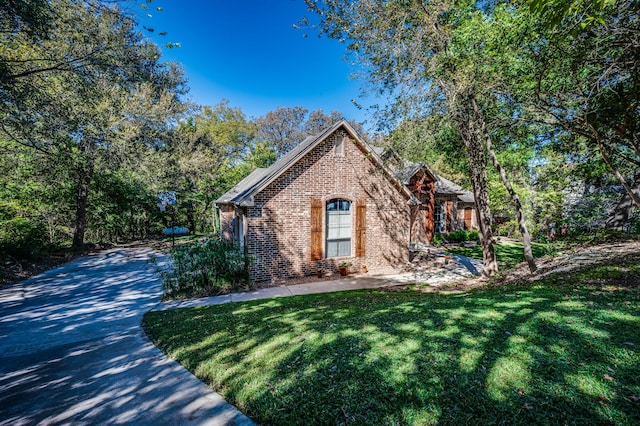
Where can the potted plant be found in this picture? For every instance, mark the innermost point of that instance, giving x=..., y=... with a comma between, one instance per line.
x=344, y=267
x=319, y=272
x=364, y=269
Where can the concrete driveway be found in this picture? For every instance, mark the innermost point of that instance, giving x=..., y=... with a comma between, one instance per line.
x=72, y=351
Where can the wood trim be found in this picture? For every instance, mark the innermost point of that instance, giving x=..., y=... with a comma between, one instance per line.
x=430, y=208
x=316, y=229
x=361, y=227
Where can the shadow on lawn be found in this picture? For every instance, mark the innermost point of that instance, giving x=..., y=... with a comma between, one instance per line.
x=522, y=356
x=508, y=254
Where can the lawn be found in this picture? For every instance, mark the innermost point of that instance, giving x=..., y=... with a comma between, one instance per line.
x=549, y=353
x=508, y=253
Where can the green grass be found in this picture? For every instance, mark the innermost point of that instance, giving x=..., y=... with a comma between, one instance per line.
x=544, y=354
x=508, y=254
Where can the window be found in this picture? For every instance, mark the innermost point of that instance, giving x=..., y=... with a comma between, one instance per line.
x=339, y=148
x=438, y=217
x=338, y=228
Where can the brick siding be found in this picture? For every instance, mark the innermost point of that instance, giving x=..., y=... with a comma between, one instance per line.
x=278, y=225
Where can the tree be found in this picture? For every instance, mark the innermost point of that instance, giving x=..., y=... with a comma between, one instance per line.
x=586, y=82
x=110, y=92
x=212, y=150
x=284, y=128
x=421, y=54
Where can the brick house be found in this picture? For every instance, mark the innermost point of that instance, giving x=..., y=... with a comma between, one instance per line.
x=332, y=199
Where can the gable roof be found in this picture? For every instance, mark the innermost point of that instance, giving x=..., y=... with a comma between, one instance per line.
x=446, y=187
x=404, y=170
x=409, y=169
x=242, y=194
x=243, y=186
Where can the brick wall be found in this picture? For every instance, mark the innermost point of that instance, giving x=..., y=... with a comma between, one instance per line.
x=278, y=232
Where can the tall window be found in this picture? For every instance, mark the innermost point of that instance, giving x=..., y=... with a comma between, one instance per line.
x=438, y=217
x=338, y=228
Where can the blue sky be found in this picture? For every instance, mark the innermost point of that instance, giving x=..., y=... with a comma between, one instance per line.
x=249, y=53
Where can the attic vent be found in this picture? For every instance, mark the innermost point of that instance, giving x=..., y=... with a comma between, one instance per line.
x=339, y=149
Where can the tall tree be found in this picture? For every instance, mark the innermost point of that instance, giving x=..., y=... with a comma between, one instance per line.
x=284, y=128
x=586, y=81
x=413, y=50
x=110, y=91
x=212, y=150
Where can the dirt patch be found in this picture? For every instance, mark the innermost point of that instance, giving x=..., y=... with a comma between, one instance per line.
x=573, y=261
x=577, y=259
x=14, y=270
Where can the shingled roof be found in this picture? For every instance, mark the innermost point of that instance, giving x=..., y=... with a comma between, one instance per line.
x=404, y=170
x=242, y=194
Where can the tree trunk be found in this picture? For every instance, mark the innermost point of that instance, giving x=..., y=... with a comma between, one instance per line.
x=85, y=175
x=635, y=199
x=619, y=218
x=471, y=136
x=515, y=199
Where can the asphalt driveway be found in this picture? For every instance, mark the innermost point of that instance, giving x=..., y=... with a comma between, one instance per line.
x=72, y=350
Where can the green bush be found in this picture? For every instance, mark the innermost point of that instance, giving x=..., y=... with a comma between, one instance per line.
x=457, y=236
x=437, y=240
x=461, y=236
x=22, y=237
x=207, y=268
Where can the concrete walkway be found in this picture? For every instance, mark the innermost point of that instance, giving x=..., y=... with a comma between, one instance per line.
x=72, y=351
x=458, y=268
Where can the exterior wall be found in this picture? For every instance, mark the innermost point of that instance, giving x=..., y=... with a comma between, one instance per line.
x=279, y=224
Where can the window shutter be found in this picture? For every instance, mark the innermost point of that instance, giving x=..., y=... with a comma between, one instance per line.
x=361, y=214
x=316, y=229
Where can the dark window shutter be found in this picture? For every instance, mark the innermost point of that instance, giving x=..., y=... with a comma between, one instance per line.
x=316, y=229
x=361, y=227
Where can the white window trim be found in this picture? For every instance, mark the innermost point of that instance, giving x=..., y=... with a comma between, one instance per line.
x=326, y=230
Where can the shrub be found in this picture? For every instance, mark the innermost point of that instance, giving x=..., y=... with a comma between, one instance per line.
x=457, y=236
x=207, y=268
x=437, y=240
x=473, y=235
x=461, y=235
x=22, y=237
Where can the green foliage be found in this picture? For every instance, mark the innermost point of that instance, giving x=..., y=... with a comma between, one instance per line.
x=509, y=254
x=589, y=13
x=206, y=268
x=86, y=97
x=563, y=351
x=461, y=235
x=20, y=235
x=435, y=141
x=437, y=240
